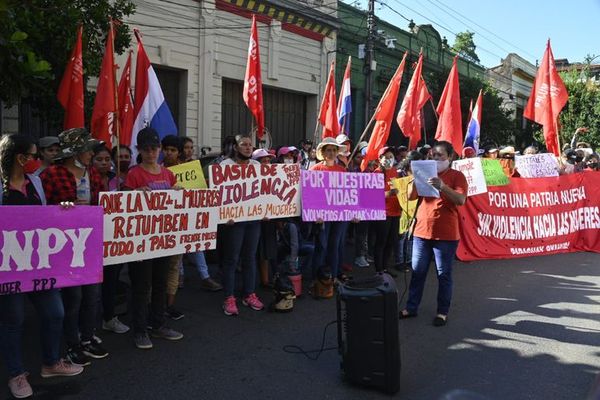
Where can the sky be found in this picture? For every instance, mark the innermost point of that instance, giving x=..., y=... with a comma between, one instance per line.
x=507, y=26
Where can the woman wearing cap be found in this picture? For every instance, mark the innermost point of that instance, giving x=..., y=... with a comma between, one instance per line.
x=386, y=231
x=73, y=179
x=241, y=241
x=48, y=148
x=149, y=277
x=436, y=234
x=19, y=189
x=330, y=237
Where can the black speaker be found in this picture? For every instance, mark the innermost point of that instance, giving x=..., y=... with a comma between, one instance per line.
x=367, y=322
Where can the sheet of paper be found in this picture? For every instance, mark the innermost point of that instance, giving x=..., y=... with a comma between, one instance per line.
x=423, y=170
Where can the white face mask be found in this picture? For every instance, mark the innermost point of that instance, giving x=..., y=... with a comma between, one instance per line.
x=387, y=163
x=442, y=165
x=288, y=161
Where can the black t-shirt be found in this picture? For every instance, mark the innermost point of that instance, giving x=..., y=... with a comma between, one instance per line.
x=17, y=198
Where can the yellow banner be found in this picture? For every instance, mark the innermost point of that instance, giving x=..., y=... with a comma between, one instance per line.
x=408, y=206
x=190, y=175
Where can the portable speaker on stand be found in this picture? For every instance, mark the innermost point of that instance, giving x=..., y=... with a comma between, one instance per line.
x=368, y=341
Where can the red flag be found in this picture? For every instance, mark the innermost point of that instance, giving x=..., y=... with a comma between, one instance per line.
x=450, y=119
x=126, y=112
x=103, y=124
x=548, y=96
x=383, y=116
x=70, y=91
x=409, y=116
x=328, y=113
x=253, y=96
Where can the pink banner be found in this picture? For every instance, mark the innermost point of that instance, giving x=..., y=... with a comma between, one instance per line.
x=49, y=247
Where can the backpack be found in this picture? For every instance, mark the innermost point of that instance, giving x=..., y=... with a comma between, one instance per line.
x=37, y=184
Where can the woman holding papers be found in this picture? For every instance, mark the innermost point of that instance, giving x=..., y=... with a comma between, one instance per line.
x=436, y=234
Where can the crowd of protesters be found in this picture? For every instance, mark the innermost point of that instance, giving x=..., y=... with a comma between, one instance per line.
x=72, y=169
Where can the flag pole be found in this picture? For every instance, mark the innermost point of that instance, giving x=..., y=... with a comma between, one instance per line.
x=361, y=138
x=116, y=122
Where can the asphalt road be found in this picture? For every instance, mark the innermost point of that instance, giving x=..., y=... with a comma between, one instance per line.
x=518, y=329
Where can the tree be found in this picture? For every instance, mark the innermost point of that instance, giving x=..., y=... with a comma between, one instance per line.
x=465, y=46
x=36, y=38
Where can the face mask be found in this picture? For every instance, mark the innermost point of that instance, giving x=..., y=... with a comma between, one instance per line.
x=387, y=163
x=578, y=159
x=30, y=166
x=288, y=161
x=124, y=165
x=442, y=165
x=79, y=164
x=593, y=165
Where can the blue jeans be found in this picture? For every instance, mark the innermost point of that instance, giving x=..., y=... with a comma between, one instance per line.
x=197, y=258
x=82, y=305
x=423, y=251
x=327, y=246
x=49, y=307
x=240, y=242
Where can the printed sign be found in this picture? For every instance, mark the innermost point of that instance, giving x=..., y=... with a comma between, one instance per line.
x=48, y=247
x=493, y=172
x=532, y=217
x=342, y=196
x=142, y=225
x=472, y=170
x=253, y=192
x=189, y=175
x=536, y=165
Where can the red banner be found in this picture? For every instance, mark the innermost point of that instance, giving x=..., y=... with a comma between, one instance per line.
x=536, y=216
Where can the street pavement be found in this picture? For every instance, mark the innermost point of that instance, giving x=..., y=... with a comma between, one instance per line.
x=518, y=329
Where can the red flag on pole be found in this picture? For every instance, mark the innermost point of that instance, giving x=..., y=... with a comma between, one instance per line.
x=126, y=112
x=328, y=113
x=409, y=116
x=103, y=124
x=70, y=91
x=449, y=126
x=548, y=96
x=253, y=96
x=384, y=115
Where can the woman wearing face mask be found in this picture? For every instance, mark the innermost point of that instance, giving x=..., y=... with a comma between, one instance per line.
x=592, y=162
x=436, y=234
x=121, y=158
x=241, y=241
x=386, y=232
x=285, y=155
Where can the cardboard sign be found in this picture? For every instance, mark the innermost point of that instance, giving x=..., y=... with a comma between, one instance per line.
x=190, y=175
x=536, y=165
x=407, y=206
x=493, y=172
x=342, y=196
x=142, y=225
x=472, y=170
x=49, y=247
x=255, y=191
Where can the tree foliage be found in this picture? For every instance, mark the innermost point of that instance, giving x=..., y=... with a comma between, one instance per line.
x=36, y=38
x=464, y=45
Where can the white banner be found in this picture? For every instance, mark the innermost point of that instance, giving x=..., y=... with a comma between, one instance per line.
x=141, y=225
x=536, y=165
x=253, y=192
x=473, y=171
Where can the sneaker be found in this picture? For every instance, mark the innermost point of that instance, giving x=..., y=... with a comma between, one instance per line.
x=166, y=333
x=390, y=273
x=230, y=306
x=361, y=262
x=142, y=341
x=76, y=356
x=19, y=387
x=174, y=314
x=94, y=348
x=210, y=285
x=370, y=259
x=253, y=302
x=114, y=325
x=61, y=368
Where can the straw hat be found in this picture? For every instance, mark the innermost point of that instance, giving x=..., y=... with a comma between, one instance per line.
x=328, y=141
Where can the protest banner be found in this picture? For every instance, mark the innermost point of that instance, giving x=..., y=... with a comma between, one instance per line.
x=189, y=175
x=342, y=196
x=493, y=172
x=532, y=217
x=536, y=165
x=141, y=225
x=49, y=247
x=472, y=170
x=422, y=171
x=253, y=192
x=407, y=206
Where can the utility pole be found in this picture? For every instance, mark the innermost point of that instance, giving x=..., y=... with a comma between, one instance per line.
x=369, y=59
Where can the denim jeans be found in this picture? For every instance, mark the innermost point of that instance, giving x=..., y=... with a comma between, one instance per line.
x=240, y=243
x=109, y=290
x=327, y=246
x=386, y=233
x=49, y=307
x=404, y=251
x=148, y=282
x=360, y=239
x=342, y=245
x=82, y=304
x=423, y=251
x=197, y=258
